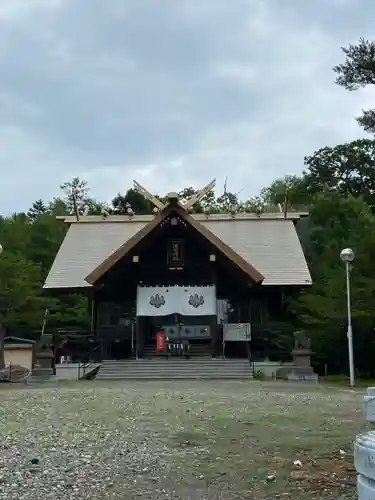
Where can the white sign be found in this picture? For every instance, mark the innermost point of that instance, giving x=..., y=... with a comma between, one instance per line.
x=184, y=300
x=236, y=332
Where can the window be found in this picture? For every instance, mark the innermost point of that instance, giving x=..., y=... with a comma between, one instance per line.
x=175, y=254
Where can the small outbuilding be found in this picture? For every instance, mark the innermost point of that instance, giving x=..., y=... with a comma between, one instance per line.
x=19, y=352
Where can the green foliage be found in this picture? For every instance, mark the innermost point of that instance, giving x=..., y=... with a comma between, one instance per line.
x=358, y=70
x=345, y=169
x=37, y=208
x=30, y=244
x=21, y=300
x=291, y=189
x=274, y=338
x=77, y=193
x=137, y=202
x=337, y=222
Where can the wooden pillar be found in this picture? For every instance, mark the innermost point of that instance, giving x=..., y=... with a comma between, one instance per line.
x=214, y=334
x=133, y=346
x=137, y=333
x=139, y=336
x=213, y=319
x=93, y=302
x=219, y=340
x=2, y=337
x=55, y=346
x=249, y=317
x=94, y=315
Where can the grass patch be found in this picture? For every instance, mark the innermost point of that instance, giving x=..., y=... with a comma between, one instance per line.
x=343, y=380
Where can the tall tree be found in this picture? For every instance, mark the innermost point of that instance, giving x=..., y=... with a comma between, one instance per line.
x=21, y=300
x=76, y=192
x=46, y=235
x=135, y=200
x=15, y=233
x=290, y=189
x=345, y=169
x=358, y=70
x=339, y=222
x=76, y=195
x=57, y=207
x=37, y=208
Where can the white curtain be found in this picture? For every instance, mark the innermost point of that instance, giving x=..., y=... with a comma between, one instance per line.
x=185, y=300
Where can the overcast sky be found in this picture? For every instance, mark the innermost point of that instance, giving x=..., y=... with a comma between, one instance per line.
x=170, y=92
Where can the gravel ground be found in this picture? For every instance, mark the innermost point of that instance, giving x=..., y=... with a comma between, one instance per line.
x=174, y=440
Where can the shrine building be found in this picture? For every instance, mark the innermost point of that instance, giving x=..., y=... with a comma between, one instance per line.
x=202, y=278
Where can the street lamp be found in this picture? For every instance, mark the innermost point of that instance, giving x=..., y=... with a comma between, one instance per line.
x=1, y=249
x=347, y=256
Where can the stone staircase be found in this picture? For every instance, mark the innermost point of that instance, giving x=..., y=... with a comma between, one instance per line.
x=176, y=369
x=41, y=376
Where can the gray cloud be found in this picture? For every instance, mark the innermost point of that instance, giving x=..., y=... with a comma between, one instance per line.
x=171, y=93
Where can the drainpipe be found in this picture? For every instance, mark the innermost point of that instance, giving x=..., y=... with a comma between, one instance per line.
x=364, y=452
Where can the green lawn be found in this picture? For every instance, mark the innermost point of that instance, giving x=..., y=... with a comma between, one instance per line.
x=343, y=380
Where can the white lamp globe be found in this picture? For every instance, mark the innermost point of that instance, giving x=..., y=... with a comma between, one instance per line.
x=347, y=255
x=1, y=249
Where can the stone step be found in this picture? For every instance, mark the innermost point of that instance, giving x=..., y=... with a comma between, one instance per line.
x=190, y=376
x=172, y=373
x=152, y=364
x=170, y=370
x=42, y=372
x=118, y=372
x=177, y=359
x=36, y=379
x=175, y=368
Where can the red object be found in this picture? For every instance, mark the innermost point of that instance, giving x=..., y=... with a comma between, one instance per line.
x=160, y=341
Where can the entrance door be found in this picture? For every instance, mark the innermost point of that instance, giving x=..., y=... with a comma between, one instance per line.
x=106, y=348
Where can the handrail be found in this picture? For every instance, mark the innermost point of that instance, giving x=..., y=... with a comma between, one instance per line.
x=82, y=365
x=248, y=352
x=9, y=375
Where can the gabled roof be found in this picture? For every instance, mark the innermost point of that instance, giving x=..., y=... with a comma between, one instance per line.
x=111, y=260
x=268, y=242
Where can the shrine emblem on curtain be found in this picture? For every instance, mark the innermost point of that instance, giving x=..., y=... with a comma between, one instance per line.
x=187, y=301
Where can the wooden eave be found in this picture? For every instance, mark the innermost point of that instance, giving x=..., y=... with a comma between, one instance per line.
x=124, y=249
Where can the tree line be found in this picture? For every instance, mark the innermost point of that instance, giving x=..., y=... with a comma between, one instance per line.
x=337, y=187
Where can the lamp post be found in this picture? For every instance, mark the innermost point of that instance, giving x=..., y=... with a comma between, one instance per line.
x=347, y=256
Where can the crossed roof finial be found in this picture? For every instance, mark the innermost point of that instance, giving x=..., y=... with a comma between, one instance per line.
x=188, y=203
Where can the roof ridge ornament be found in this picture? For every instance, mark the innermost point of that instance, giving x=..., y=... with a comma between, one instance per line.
x=148, y=196
x=185, y=203
x=199, y=195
